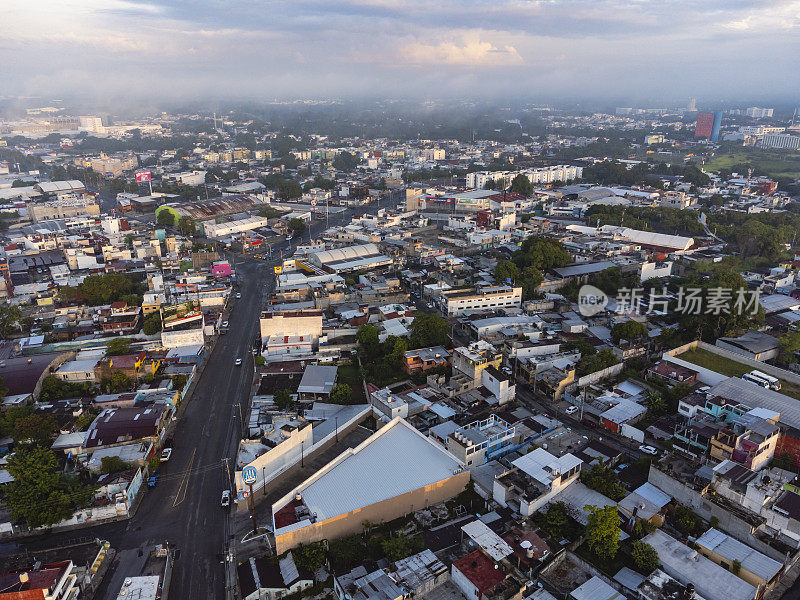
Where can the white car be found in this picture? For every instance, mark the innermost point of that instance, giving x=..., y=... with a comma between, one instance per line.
x=238, y=296
x=226, y=499
x=165, y=454
x=572, y=410
x=648, y=449
x=238, y=362
x=224, y=324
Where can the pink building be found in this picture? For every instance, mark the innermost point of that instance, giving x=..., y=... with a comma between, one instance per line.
x=221, y=268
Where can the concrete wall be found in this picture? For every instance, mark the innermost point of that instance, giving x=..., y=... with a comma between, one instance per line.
x=380, y=512
x=705, y=508
x=674, y=357
x=273, y=462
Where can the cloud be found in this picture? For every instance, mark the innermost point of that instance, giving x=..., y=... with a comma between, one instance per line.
x=290, y=48
x=468, y=53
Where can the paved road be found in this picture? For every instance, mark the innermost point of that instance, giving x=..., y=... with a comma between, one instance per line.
x=185, y=507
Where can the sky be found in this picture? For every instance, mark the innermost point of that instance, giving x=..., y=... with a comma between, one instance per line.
x=542, y=50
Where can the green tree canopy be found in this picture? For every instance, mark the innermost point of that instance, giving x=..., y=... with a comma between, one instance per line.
x=367, y=336
x=344, y=161
x=35, y=429
x=297, y=225
x=118, y=347
x=645, y=557
x=166, y=218
x=309, y=556
x=522, y=185
x=113, y=464
x=152, y=323
x=429, y=329
x=283, y=399
x=40, y=495
x=602, y=531
x=628, y=330
x=341, y=394
x=9, y=319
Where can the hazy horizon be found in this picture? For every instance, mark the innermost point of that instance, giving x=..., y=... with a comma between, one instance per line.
x=608, y=51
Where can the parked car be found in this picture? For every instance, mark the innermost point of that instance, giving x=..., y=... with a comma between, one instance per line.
x=572, y=410
x=224, y=324
x=238, y=362
x=166, y=453
x=225, y=501
x=238, y=295
x=648, y=449
x=153, y=481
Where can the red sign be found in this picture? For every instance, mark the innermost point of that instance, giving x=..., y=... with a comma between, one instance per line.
x=143, y=176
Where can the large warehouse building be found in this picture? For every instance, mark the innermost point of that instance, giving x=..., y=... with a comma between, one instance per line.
x=395, y=471
x=353, y=258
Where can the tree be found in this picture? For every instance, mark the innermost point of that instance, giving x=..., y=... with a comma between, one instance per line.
x=118, y=347
x=341, y=394
x=9, y=319
x=789, y=345
x=628, y=330
x=429, y=330
x=113, y=464
x=400, y=547
x=283, y=399
x=297, y=226
x=9, y=418
x=655, y=403
x=117, y=383
x=556, y=520
x=367, y=336
x=166, y=218
x=55, y=388
x=597, y=362
x=186, y=225
x=309, y=556
x=685, y=520
x=344, y=161
x=260, y=361
x=505, y=271
x=152, y=323
x=645, y=557
x=522, y=185
x=736, y=566
x=40, y=495
x=39, y=430
x=602, y=531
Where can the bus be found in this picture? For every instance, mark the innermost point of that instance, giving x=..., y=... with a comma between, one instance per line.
x=757, y=380
x=774, y=382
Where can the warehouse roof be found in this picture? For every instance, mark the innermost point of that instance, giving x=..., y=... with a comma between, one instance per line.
x=744, y=392
x=317, y=379
x=52, y=187
x=488, y=540
x=395, y=460
x=688, y=566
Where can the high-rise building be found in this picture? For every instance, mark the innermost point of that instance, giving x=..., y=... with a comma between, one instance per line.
x=708, y=125
x=692, y=106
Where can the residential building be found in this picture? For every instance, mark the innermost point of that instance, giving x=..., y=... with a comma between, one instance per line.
x=424, y=359
x=535, y=480
x=481, y=441
x=263, y=579
x=456, y=302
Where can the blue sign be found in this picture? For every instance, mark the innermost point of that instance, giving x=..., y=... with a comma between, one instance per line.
x=249, y=475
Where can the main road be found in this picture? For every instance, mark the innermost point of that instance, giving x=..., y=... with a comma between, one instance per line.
x=184, y=509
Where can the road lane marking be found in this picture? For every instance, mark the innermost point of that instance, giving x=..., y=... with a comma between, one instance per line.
x=184, y=485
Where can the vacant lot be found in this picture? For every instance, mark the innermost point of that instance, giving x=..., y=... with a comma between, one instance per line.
x=772, y=162
x=726, y=366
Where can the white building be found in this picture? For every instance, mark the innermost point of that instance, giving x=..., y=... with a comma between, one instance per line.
x=457, y=301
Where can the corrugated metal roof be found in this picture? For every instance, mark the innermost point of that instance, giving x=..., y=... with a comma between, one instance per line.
x=395, y=460
x=595, y=589
x=488, y=540
x=751, y=560
x=752, y=395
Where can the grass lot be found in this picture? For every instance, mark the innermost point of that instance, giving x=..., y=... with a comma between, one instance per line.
x=349, y=374
x=772, y=162
x=731, y=368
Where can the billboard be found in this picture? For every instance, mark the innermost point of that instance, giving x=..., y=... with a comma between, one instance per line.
x=143, y=176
